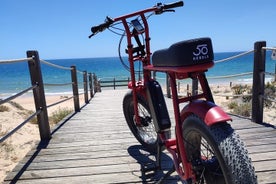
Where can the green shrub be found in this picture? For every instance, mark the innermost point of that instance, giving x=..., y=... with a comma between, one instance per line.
x=243, y=109
x=16, y=105
x=270, y=92
x=4, y=108
x=59, y=115
x=239, y=89
x=232, y=105
x=27, y=114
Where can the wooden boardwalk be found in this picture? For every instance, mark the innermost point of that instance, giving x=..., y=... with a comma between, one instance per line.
x=96, y=146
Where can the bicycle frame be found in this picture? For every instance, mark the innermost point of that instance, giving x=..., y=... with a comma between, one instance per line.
x=204, y=109
x=145, y=60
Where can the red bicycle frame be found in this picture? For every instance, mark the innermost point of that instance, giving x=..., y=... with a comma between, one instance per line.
x=138, y=87
x=207, y=111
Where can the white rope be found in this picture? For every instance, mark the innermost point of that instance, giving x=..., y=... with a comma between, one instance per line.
x=15, y=60
x=233, y=57
x=230, y=76
x=54, y=65
x=268, y=98
x=81, y=72
x=64, y=84
x=232, y=95
x=269, y=48
x=269, y=73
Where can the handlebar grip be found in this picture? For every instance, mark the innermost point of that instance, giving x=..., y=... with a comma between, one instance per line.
x=102, y=26
x=173, y=5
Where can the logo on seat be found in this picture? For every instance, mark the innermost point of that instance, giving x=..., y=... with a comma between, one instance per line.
x=201, y=52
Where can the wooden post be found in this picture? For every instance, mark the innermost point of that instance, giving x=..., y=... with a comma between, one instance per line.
x=91, y=85
x=194, y=86
x=85, y=86
x=95, y=83
x=75, y=88
x=114, y=83
x=39, y=95
x=258, y=82
x=275, y=74
x=168, y=86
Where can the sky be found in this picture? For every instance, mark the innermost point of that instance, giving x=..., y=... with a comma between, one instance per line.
x=59, y=29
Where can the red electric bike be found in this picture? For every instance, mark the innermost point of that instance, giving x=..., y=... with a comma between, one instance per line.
x=205, y=149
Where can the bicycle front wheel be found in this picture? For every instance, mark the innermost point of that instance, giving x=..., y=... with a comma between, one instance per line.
x=216, y=153
x=145, y=132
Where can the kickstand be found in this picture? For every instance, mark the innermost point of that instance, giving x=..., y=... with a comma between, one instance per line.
x=160, y=181
x=157, y=165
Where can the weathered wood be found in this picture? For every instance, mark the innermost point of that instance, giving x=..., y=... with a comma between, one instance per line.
x=91, y=85
x=39, y=95
x=75, y=88
x=258, y=82
x=85, y=86
x=96, y=146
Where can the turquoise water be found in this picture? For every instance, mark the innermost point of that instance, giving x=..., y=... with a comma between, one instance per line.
x=15, y=77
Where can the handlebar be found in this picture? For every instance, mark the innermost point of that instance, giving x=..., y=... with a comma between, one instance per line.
x=158, y=9
x=101, y=27
x=164, y=7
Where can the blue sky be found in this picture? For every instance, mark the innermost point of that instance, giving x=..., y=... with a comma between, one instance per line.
x=60, y=28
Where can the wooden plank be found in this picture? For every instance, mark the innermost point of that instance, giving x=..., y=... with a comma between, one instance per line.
x=96, y=146
x=266, y=177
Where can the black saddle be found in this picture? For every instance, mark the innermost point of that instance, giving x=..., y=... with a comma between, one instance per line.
x=185, y=53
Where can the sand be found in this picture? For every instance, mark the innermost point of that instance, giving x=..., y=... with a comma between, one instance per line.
x=18, y=145
x=13, y=149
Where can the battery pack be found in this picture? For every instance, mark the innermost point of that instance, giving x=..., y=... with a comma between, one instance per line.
x=158, y=106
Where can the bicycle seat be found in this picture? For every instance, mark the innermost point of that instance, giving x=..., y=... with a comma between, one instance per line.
x=185, y=53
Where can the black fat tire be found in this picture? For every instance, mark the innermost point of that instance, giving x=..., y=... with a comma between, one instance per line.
x=144, y=111
x=228, y=151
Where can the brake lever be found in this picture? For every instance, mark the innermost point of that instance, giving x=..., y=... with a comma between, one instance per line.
x=169, y=11
x=160, y=11
x=91, y=35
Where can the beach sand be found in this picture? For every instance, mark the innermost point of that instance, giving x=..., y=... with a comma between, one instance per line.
x=16, y=147
x=13, y=149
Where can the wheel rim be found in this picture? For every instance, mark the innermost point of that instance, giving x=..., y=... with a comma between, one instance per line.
x=146, y=131
x=204, y=161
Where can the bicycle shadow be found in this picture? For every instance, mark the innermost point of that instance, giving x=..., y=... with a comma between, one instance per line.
x=146, y=160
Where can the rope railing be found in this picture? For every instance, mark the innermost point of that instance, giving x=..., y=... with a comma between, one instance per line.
x=55, y=66
x=231, y=76
x=59, y=102
x=58, y=66
x=15, y=60
x=234, y=57
x=39, y=94
x=244, y=95
x=7, y=135
x=268, y=98
x=269, y=73
x=269, y=48
x=63, y=84
x=74, y=82
x=17, y=95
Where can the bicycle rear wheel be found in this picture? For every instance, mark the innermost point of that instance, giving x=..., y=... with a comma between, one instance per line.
x=216, y=153
x=145, y=133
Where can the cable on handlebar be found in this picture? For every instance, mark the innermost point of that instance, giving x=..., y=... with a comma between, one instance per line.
x=167, y=7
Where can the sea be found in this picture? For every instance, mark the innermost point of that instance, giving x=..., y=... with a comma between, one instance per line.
x=14, y=77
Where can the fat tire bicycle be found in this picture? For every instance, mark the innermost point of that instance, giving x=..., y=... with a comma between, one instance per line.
x=205, y=149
